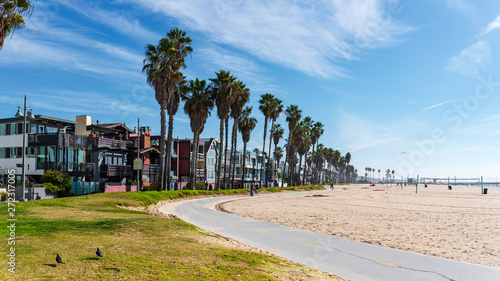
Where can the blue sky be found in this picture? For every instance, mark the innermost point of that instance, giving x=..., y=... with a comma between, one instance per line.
x=412, y=86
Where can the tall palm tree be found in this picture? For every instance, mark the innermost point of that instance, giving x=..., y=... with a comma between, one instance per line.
x=162, y=66
x=246, y=124
x=293, y=115
x=12, y=14
x=266, y=106
x=172, y=108
x=277, y=134
x=378, y=178
x=257, y=152
x=276, y=111
x=241, y=95
x=197, y=107
x=347, y=159
x=316, y=132
x=222, y=89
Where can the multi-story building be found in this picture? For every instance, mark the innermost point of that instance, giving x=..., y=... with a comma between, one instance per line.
x=211, y=152
x=48, y=147
x=185, y=149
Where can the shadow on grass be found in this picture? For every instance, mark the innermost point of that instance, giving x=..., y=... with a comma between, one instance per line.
x=91, y=259
x=50, y=264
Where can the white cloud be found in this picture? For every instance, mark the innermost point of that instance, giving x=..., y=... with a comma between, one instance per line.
x=116, y=21
x=471, y=60
x=492, y=26
x=305, y=36
x=439, y=104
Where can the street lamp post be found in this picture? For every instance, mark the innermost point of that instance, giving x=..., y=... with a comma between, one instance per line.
x=19, y=114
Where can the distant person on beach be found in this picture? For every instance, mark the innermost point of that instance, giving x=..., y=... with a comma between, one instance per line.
x=251, y=189
x=257, y=189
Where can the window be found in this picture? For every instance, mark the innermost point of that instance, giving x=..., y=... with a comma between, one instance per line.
x=19, y=152
x=33, y=129
x=20, y=128
x=30, y=152
x=51, y=130
x=2, y=152
x=2, y=130
x=40, y=160
x=41, y=129
x=10, y=129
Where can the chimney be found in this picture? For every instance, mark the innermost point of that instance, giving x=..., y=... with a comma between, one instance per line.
x=82, y=122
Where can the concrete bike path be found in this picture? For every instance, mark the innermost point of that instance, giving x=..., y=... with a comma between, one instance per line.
x=348, y=259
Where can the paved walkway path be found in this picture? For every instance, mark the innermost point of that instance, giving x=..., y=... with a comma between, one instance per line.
x=348, y=259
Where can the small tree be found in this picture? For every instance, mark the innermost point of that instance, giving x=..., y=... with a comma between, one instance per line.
x=56, y=181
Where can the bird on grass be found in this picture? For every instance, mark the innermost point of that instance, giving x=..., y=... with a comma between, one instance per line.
x=98, y=252
x=58, y=259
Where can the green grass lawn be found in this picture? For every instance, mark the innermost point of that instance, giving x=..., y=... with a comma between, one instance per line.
x=136, y=246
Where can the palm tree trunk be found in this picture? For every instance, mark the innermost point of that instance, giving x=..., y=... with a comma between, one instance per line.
x=195, y=160
x=169, y=148
x=244, y=163
x=270, y=141
x=300, y=168
x=235, y=140
x=163, y=111
x=263, y=150
x=275, y=163
x=225, y=151
x=219, y=165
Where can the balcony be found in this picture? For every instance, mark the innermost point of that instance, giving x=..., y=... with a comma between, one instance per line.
x=150, y=169
x=72, y=168
x=112, y=143
x=110, y=170
x=200, y=173
x=201, y=156
x=66, y=140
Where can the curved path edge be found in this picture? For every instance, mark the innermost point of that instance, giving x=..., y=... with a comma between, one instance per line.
x=347, y=259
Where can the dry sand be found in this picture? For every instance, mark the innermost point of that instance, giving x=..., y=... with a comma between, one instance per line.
x=458, y=224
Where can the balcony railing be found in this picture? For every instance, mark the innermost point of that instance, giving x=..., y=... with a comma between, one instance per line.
x=72, y=168
x=116, y=170
x=66, y=140
x=200, y=173
x=107, y=142
x=151, y=169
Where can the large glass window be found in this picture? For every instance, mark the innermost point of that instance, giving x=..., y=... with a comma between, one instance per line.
x=30, y=152
x=19, y=152
x=51, y=151
x=33, y=128
x=80, y=156
x=40, y=160
x=41, y=129
x=2, y=130
x=51, y=130
x=2, y=152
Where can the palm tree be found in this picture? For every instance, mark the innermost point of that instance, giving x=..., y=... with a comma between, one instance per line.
x=222, y=90
x=172, y=108
x=347, y=159
x=278, y=154
x=266, y=106
x=378, y=178
x=241, y=94
x=277, y=134
x=316, y=132
x=197, y=107
x=12, y=14
x=246, y=124
x=293, y=114
x=275, y=113
x=162, y=65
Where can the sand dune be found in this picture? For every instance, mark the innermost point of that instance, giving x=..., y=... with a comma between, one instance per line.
x=458, y=224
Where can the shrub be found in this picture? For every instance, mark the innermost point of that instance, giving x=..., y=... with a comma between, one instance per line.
x=153, y=186
x=50, y=187
x=200, y=186
x=60, y=181
x=4, y=195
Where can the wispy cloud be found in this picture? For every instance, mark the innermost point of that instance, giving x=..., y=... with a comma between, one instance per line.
x=471, y=60
x=437, y=105
x=252, y=74
x=44, y=43
x=492, y=26
x=116, y=21
x=306, y=36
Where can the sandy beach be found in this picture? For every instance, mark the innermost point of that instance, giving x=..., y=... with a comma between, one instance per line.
x=458, y=224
